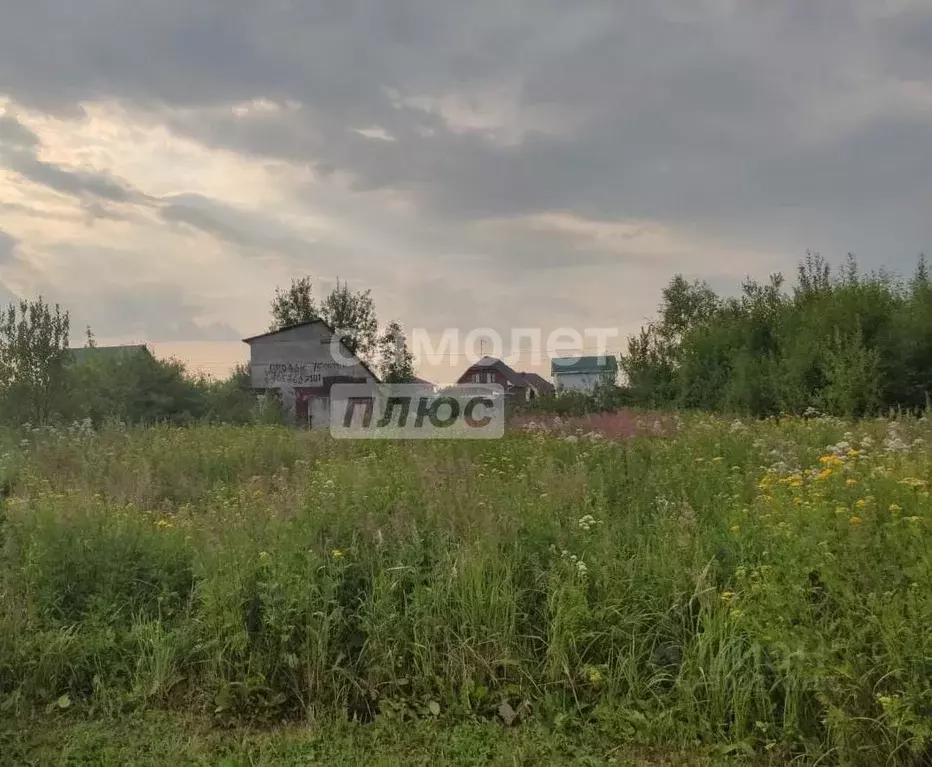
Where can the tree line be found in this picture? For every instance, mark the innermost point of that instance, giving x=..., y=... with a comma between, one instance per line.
x=843, y=342
x=43, y=380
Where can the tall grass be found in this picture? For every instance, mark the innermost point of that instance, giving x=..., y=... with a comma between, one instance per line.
x=730, y=583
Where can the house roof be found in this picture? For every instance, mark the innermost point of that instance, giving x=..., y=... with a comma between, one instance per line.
x=285, y=329
x=510, y=374
x=84, y=354
x=540, y=383
x=596, y=364
x=327, y=325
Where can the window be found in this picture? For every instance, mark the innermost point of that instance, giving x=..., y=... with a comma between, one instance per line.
x=477, y=377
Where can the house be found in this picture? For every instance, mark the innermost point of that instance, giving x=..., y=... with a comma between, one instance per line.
x=520, y=387
x=540, y=386
x=583, y=374
x=108, y=354
x=302, y=363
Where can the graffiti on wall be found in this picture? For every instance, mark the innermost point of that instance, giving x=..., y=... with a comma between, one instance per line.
x=299, y=373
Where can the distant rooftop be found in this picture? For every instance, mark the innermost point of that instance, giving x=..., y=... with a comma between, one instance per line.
x=596, y=364
x=84, y=354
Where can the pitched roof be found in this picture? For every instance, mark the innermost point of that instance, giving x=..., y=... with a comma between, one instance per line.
x=285, y=329
x=596, y=364
x=327, y=325
x=84, y=354
x=510, y=374
x=540, y=383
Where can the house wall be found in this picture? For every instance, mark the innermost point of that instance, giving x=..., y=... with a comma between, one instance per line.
x=585, y=382
x=497, y=377
x=299, y=364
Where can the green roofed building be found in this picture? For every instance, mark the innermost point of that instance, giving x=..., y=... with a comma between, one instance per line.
x=90, y=354
x=583, y=373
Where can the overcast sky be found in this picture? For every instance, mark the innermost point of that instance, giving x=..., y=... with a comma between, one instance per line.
x=524, y=163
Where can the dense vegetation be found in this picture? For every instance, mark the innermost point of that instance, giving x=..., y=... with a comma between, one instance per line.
x=756, y=588
x=849, y=344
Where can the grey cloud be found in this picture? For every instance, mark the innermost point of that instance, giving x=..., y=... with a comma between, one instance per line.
x=13, y=132
x=233, y=225
x=150, y=311
x=78, y=183
x=8, y=245
x=724, y=117
x=19, y=152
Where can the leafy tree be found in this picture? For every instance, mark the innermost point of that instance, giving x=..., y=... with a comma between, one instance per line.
x=294, y=305
x=396, y=360
x=33, y=349
x=849, y=343
x=352, y=315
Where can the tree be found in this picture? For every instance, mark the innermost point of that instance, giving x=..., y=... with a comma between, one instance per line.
x=294, y=305
x=396, y=361
x=352, y=316
x=33, y=346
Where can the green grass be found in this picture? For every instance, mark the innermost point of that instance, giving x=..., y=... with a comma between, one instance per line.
x=727, y=588
x=158, y=739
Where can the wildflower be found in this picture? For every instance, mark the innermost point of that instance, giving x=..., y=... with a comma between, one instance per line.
x=855, y=520
x=830, y=460
x=587, y=522
x=824, y=474
x=336, y=554
x=727, y=596
x=851, y=482
x=595, y=676
x=895, y=508
x=736, y=613
x=861, y=503
x=914, y=520
x=263, y=555
x=163, y=524
x=913, y=482
x=734, y=528
x=581, y=568
x=717, y=459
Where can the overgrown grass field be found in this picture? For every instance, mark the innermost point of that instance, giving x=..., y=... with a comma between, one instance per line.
x=755, y=589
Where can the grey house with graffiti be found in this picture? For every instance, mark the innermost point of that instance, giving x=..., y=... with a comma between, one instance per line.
x=302, y=363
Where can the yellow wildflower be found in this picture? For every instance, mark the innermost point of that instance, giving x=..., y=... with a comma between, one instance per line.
x=895, y=508
x=852, y=453
x=851, y=482
x=163, y=524
x=336, y=554
x=855, y=520
x=913, y=519
x=861, y=503
x=263, y=555
x=824, y=474
x=830, y=460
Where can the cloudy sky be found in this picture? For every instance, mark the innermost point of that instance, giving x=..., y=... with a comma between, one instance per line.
x=164, y=164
